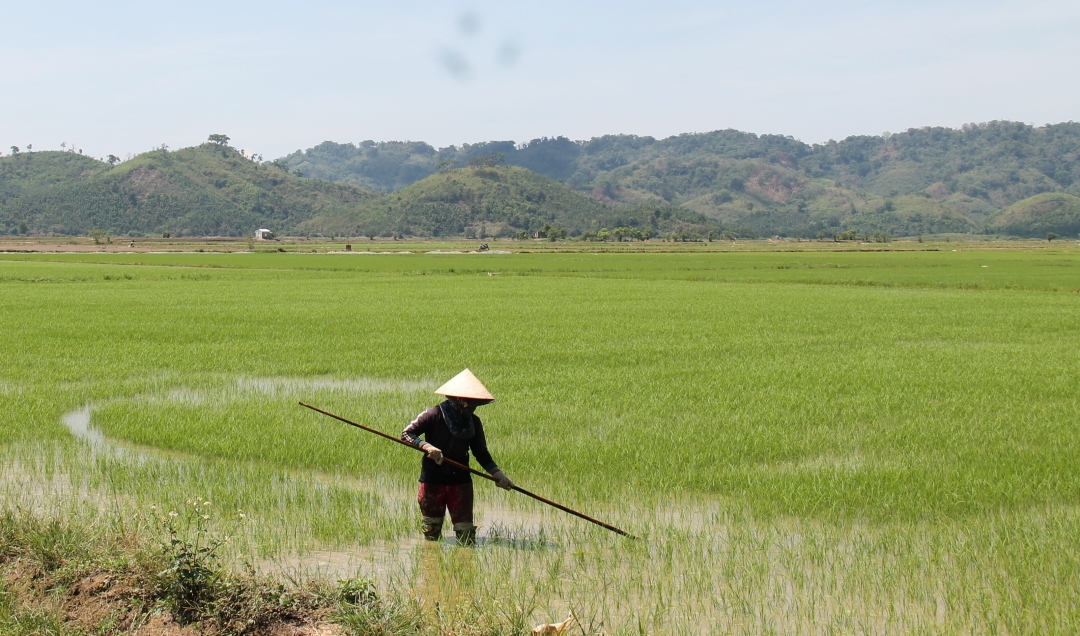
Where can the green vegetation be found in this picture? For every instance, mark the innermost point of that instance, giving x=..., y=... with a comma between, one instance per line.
x=214, y=190
x=382, y=166
x=921, y=181
x=387, y=166
x=806, y=441
x=1040, y=215
x=61, y=577
x=926, y=181
x=209, y=190
x=494, y=201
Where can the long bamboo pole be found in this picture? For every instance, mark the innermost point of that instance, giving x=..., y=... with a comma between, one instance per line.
x=476, y=472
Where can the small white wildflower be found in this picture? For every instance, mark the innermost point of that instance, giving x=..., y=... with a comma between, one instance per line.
x=205, y=517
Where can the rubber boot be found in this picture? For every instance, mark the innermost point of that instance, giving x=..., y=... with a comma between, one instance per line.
x=466, y=533
x=432, y=528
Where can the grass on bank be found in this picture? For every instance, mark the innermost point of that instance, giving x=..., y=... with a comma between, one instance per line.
x=59, y=576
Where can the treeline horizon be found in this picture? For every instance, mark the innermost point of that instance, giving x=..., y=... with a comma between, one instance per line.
x=992, y=178
x=921, y=181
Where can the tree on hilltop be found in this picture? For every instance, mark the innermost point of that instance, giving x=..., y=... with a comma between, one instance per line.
x=487, y=161
x=221, y=140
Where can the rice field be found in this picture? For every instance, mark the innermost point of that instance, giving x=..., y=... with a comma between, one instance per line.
x=806, y=442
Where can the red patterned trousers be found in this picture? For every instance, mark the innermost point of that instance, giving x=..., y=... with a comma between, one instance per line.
x=437, y=499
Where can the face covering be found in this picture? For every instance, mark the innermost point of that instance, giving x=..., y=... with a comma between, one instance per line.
x=458, y=419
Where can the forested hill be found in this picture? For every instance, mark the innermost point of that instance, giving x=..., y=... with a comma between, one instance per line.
x=925, y=180
x=208, y=190
x=214, y=190
x=506, y=201
x=1000, y=177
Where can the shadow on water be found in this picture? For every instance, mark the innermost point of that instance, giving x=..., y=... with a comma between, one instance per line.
x=523, y=545
x=500, y=535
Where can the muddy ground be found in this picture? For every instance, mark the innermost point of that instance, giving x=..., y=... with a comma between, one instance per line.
x=122, y=602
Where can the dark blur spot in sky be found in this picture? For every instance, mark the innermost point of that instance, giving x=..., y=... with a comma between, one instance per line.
x=468, y=24
x=508, y=53
x=464, y=60
x=455, y=64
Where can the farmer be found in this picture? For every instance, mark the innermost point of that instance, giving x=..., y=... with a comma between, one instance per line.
x=450, y=430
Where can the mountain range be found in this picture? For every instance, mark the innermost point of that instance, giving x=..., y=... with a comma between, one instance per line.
x=994, y=178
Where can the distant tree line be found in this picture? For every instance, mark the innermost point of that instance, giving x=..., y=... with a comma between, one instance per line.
x=1001, y=177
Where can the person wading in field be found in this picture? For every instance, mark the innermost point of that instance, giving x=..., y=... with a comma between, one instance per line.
x=451, y=430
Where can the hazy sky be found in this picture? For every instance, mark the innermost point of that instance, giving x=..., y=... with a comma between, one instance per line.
x=120, y=77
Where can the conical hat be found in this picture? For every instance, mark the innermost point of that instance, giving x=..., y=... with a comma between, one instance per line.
x=465, y=385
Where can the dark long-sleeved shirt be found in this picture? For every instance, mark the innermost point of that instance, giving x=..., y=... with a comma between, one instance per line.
x=430, y=424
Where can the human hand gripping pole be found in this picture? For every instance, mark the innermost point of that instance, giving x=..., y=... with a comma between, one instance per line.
x=435, y=455
x=498, y=480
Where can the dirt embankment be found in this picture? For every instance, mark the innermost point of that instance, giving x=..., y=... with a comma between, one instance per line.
x=120, y=603
x=62, y=579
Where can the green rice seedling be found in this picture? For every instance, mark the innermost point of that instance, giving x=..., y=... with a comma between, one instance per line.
x=810, y=441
